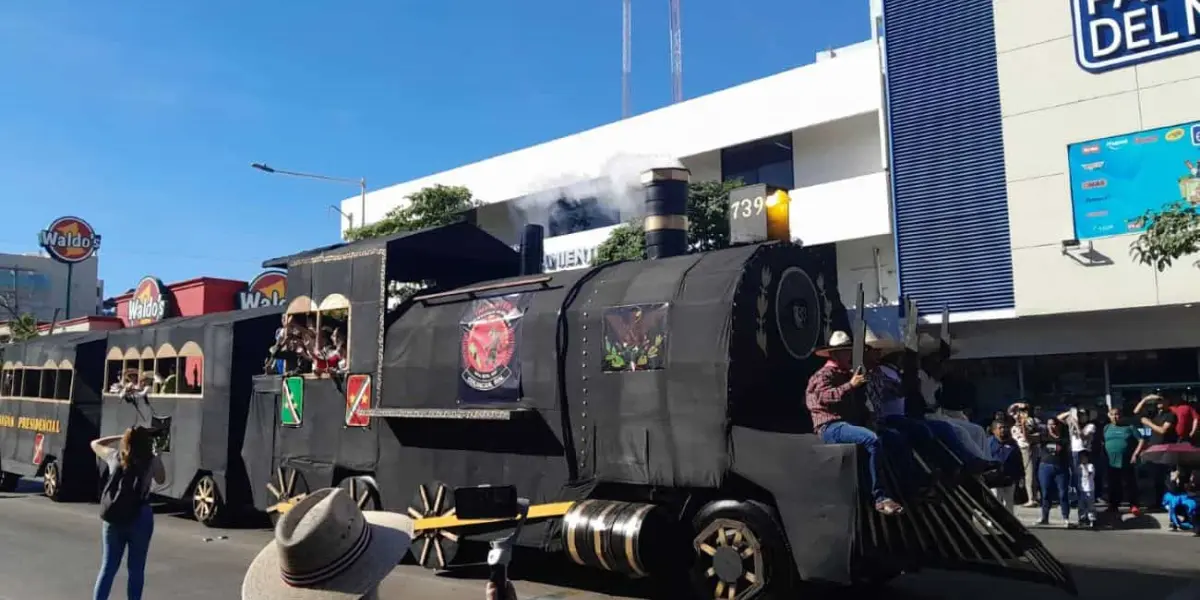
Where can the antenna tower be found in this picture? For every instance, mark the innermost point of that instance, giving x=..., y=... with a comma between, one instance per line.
x=676, y=53
x=626, y=58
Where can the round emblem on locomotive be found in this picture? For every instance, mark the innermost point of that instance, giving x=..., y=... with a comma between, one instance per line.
x=798, y=312
x=488, y=344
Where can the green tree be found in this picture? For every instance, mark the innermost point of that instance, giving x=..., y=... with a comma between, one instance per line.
x=24, y=327
x=708, y=224
x=1171, y=234
x=431, y=207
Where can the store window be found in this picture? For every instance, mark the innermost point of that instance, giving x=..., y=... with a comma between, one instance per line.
x=768, y=161
x=1174, y=366
x=997, y=383
x=1057, y=381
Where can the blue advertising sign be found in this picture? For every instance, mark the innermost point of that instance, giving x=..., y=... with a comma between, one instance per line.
x=1111, y=34
x=1114, y=181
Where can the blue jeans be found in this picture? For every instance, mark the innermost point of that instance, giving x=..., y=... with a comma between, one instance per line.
x=922, y=434
x=887, y=440
x=1181, y=510
x=135, y=536
x=1054, y=477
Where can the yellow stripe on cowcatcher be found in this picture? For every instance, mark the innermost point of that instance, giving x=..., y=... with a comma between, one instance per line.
x=537, y=511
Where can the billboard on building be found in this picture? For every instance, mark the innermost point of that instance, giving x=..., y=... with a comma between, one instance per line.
x=1111, y=34
x=1115, y=180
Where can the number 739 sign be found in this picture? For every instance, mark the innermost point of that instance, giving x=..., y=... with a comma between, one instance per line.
x=758, y=213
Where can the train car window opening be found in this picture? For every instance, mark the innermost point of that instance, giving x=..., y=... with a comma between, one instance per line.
x=18, y=375
x=166, y=370
x=62, y=384
x=6, y=381
x=31, y=383
x=112, y=378
x=48, y=384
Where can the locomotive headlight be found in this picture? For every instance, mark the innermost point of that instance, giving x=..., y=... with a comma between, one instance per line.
x=778, y=225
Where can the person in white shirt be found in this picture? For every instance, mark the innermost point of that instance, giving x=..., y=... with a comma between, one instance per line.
x=1080, y=435
x=1024, y=433
x=1087, y=490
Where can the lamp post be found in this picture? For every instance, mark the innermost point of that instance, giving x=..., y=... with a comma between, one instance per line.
x=361, y=183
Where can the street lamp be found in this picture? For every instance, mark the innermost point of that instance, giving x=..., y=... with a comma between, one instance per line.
x=361, y=183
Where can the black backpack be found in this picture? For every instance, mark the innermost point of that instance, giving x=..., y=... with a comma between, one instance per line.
x=123, y=496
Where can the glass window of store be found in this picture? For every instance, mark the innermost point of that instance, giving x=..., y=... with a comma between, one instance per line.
x=997, y=383
x=1173, y=371
x=768, y=161
x=1055, y=382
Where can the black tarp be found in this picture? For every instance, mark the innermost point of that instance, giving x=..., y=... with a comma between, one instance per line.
x=206, y=429
x=78, y=419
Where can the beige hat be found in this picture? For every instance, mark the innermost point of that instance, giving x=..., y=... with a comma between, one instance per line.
x=326, y=548
x=840, y=340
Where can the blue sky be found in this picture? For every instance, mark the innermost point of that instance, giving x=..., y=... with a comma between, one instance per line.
x=143, y=117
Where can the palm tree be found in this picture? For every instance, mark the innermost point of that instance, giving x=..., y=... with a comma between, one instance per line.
x=24, y=327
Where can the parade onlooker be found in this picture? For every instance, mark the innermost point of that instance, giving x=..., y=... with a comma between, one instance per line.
x=1087, y=489
x=128, y=518
x=1005, y=451
x=839, y=414
x=1186, y=420
x=1155, y=415
x=1080, y=435
x=1180, y=502
x=326, y=548
x=1025, y=434
x=1120, y=441
x=1054, y=471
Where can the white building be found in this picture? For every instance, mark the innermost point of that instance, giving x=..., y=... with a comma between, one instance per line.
x=814, y=130
x=37, y=284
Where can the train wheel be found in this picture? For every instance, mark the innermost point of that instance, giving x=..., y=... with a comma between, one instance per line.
x=287, y=488
x=52, y=481
x=9, y=482
x=740, y=553
x=207, y=506
x=433, y=548
x=363, y=491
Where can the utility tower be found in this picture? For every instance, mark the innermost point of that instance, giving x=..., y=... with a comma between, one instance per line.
x=626, y=58
x=676, y=53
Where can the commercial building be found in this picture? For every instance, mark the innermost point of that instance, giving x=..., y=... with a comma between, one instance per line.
x=36, y=284
x=996, y=164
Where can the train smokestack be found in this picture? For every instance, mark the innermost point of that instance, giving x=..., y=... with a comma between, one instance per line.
x=666, y=211
x=532, y=250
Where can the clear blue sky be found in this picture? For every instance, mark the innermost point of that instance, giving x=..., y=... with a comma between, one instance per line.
x=143, y=117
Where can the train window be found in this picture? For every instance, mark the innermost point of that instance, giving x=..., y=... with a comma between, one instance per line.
x=6, y=382
x=191, y=370
x=46, y=389
x=17, y=384
x=112, y=378
x=166, y=368
x=635, y=337
x=62, y=384
x=30, y=383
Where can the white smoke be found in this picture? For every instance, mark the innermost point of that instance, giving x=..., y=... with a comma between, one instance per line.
x=617, y=187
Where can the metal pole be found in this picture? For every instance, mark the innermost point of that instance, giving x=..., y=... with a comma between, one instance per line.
x=1107, y=384
x=362, y=209
x=70, y=274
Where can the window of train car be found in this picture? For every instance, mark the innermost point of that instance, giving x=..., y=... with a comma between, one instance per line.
x=31, y=383
x=6, y=381
x=48, y=383
x=62, y=384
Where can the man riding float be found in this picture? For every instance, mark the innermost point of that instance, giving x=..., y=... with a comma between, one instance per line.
x=932, y=374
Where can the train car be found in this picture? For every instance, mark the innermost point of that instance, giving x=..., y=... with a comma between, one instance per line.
x=50, y=411
x=653, y=412
x=307, y=430
x=203, y=370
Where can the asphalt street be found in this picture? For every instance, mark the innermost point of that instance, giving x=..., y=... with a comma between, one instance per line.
x=51, y=551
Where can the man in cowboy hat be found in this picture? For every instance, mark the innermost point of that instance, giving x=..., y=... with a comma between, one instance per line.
x=886, y=394
x=326, y=548
x=839, y=414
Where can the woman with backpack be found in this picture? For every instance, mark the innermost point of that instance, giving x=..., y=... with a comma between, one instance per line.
x=125, y=507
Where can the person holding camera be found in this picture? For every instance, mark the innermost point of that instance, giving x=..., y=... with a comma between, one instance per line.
x=125, y=507
x=1154, y=414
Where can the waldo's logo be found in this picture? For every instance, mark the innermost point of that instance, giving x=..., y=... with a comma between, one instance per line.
x=149, y=303
x=268, y=289
x=69, y=240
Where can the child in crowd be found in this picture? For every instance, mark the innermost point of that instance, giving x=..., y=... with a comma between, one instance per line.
x=1180, y=504
x=1087, y=490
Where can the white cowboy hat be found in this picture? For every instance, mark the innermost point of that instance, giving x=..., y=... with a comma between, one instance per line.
x=325, y=548
x=840, y=340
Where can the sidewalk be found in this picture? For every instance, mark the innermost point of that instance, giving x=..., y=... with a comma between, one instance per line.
x=1149, y=522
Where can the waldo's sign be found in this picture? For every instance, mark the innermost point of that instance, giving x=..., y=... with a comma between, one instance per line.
x=69, y=240
x=268, y=289
x=1111, y=34
x=149, y=303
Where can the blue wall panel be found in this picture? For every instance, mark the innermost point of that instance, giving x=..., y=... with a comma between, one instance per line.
x=947, y=152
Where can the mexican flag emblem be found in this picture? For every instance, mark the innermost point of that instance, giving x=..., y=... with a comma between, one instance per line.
x=358, y=398
x=291, y=409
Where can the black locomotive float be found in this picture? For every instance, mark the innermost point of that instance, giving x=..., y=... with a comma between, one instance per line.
x=651, y=410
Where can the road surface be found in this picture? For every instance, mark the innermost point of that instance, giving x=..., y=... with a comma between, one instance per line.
x=51, y=551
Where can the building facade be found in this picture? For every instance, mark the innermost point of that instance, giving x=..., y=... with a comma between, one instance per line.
x=37, y=284
x=995, y=165
x=1026, y=139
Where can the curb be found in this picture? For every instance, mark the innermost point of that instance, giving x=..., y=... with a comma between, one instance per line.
x=1146, y=522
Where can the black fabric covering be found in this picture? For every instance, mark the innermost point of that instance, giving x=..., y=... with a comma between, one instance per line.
x=79, y=420
x=206, y=431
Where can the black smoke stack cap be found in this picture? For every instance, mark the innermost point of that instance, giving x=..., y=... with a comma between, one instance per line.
x=532, y=250
x=666, y=211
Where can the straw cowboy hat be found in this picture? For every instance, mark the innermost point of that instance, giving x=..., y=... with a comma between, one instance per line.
x=840, y=340
x=325, y=548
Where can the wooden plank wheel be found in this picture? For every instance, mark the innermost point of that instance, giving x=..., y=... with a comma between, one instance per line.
x=433, y=548
x=287, y=488
x=362, y=489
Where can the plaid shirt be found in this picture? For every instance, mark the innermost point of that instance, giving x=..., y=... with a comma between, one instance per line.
x=830, y=398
